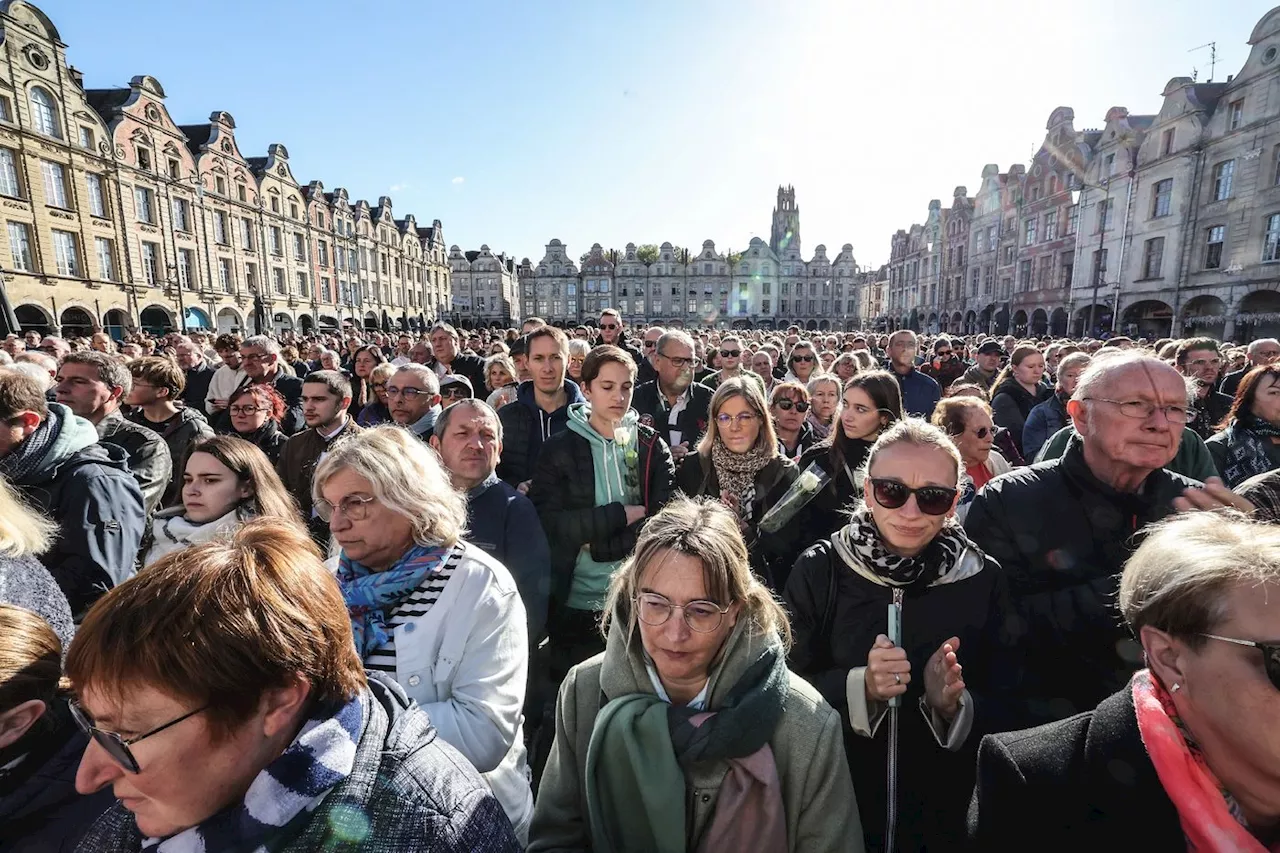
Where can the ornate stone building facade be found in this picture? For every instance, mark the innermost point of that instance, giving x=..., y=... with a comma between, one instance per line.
x=117, y=217
x=764, y=284
x=1152, y=225
x=485, y=287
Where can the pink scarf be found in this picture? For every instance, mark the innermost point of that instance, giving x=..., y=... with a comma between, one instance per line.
x=1208, y=813
x=749, y=812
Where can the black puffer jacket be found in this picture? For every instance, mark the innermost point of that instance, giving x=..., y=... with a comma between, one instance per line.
x=181, y=431
x=525, y=426
x=836, y=613
x=564, y=493
x=772, y=554
x=268, y=438
x=149, y=459
x=1011, y=404
x=828, y=511
x=1062, y=537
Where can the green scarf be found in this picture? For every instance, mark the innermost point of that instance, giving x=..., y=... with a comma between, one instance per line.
x=636, y=788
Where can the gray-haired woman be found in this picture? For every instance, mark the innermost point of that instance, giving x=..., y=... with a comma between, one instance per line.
x=675, y=737
x=1185, y=756
x=437, y=614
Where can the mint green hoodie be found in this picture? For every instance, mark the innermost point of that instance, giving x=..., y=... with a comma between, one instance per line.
x=608, y=457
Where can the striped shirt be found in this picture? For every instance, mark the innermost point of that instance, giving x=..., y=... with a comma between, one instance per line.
x=421, y=600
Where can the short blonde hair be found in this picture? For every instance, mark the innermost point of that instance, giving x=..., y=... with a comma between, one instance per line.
x=706, y=530
x=382, y=372
x=920, y=434
x=405, y=476
x=23, y=531
x=749, y=390
x=1179, y=578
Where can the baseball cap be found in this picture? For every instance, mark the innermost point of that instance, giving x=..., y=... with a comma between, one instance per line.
x=990, y=348
x=451, y=380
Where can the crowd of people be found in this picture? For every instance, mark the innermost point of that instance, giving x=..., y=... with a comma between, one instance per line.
x=638, y=589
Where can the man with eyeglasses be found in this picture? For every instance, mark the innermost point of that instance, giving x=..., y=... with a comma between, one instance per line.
x=260, y=358
x=730, y=364
x=1062, y=530
x=413, y=398
x=673, y=404
x=1198, y=359
x=1260, y=353
x=326, y=396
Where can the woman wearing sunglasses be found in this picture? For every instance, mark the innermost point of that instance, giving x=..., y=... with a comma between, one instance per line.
x=228, y=709
x=692, y=703
x=1193, y=735
x=870, y=404
x=967, y=422
x=40, y=746
x=789, y=408
x=903, y=545
x=802, y=363
x=738, y=461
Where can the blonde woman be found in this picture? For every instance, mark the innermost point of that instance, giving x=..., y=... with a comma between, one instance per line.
x=824, y=402
x=695, y=644
x=435, y=613
x=24, y=581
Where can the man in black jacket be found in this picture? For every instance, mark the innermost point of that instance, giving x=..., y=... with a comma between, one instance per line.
x=1261, y=353
x=260, y=358
x=541, y=407
x=449, y=358
x=612, y=332
x=1199, y=360
x=157, y=384
x=55, y=460
x=93, y=385
x=199, y=373
x=326, y=394
x=647, y=372
x=673, y=404
x=1062, y=529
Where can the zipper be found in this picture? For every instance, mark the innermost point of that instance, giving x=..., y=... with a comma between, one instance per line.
x=891, y=802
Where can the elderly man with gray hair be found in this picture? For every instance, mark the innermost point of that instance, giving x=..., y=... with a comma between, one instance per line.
x=500, y=520
x=673, y=404
x=1062, y=530
x=413, y=398
x=1261, y=352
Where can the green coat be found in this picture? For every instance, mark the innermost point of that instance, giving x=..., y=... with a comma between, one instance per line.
x=1192, y=460
x=808, y=747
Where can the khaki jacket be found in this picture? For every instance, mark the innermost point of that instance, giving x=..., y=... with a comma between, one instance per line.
x=818, y=797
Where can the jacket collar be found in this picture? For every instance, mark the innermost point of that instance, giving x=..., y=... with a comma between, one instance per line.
x=483, y=486
x=1082, y=477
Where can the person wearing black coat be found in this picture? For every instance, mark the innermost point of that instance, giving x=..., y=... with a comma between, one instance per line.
x=1011, y=405
x=954, y=613
x=260, y=359
x=655, y=409
x=449, y=358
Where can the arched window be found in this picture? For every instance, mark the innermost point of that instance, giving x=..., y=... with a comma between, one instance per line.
x=44, y=113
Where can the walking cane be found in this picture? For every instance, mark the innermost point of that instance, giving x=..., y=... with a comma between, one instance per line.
x=891, y=818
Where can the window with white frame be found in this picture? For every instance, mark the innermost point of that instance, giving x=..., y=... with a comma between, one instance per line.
x=9, y=174
x=20, y=246
x=186, y=269
x=1271, y=242
x=1162, y=198
x=225, y=275
x=144, y=201
x=86, y=138
x=1215, y=236
x=97, y=194
x=44, y=115
x=1222, y=176
x=277, y=280
x=246, y=233
x=299, y=248
x=64, y=253
x=181, y=214
x=151, y=263
x=1153, y=257
x=220, y=227
x=106, y=258
x=55, y=184
x=276, y=247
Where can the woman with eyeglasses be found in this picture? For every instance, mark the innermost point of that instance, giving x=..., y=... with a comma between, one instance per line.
x=1018, y=389
x=944, y=671
x=801, y=363
x=377, y=411
x=428, y=609
x=789, y=408
x=363, y=361
x=578, y=350
x=871, y=403
x=40, y=745
x=595, y=484
x=689, y=732
x=1250, y=442
x=967, y=422
x=824, y=401
x=845, y=366
x=1184, y=757
x=256, y=411
x=225, y=482
x=738, y=461
x=228, y=709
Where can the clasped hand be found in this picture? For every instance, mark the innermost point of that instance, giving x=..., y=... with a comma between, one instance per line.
x=889, y=673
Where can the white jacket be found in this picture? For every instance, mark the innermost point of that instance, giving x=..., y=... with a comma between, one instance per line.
x=221, y=385
x=172, y=531
x=466, y=662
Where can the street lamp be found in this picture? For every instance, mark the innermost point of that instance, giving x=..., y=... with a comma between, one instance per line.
x=1076, y=194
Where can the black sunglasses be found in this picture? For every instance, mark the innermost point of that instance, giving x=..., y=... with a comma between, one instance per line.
x=730, y=353
x=786, y=405
x=980, y=432
x=1270, y=655
x=116, y=746
x=802, y=358
x=650, y=344
x=932, y=500
x=608, y=325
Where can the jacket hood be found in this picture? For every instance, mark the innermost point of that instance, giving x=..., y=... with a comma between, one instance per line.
x=75, y=435
x=623, y=671
x=579, y=422
x=525, y=394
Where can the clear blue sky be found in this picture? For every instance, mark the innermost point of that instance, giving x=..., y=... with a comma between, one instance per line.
x=603, y=121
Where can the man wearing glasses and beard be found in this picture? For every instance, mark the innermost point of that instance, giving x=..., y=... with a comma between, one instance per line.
x=673, y=404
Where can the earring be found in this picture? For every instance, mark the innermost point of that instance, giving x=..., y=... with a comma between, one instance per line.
x=1175, y=688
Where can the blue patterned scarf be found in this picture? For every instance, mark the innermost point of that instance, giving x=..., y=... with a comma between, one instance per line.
x=371, y=595
x=284, y=793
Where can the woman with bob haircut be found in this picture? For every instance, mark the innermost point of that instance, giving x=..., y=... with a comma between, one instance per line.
x=256, y=412
x=950, y=668
x=1184, y=757
x=40, y=746
x=1249, y=443
x=225, y=482
x=437, y=614
x=688, y=732
x=738, y=461
x=228, y=709
x=376, y=411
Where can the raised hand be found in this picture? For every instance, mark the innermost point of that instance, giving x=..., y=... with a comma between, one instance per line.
x=944, y=679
